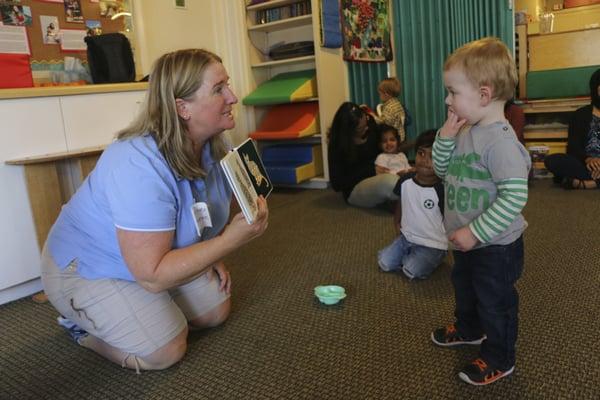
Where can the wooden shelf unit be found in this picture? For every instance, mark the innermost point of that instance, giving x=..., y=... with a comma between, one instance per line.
x=326, y=62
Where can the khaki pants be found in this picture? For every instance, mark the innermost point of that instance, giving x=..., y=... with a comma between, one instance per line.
x=124, y=314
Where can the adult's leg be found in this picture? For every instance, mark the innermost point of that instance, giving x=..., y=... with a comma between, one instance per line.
x=373, y=191
x=495, y=272
x=126, y=324
x=201, y=301
x=566, y=166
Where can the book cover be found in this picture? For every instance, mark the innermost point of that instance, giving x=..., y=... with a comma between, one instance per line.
x=247, y=177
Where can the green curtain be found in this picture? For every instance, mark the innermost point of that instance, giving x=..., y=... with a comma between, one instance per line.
x=424, y=33
x=364, y=78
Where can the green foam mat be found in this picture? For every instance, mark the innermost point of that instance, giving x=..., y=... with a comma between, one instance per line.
x=557, y=83
x=279, y=89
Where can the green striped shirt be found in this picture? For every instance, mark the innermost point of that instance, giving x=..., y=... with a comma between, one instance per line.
x=485, y=173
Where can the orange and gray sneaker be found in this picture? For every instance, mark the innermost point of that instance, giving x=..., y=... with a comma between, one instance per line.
x=449, y=336
x=481, y=373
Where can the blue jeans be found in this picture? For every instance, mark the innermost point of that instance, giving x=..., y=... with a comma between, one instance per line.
x=487, y=301
x=417, y=262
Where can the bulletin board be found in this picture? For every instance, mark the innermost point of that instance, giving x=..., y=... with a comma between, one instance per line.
x=45, y=52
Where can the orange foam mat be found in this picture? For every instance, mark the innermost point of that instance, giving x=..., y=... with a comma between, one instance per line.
x=289, y=121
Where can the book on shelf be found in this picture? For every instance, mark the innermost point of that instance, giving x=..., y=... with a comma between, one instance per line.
x=247, y=177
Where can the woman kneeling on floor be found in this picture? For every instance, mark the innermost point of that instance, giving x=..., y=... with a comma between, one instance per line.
x=128, y=263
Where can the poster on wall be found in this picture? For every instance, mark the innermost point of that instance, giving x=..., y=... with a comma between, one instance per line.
x=73, y=11
x=366, y=30
x=13, y=40
x=94, y=27
x=50, y=29
x=73, y=40
x=12, y=14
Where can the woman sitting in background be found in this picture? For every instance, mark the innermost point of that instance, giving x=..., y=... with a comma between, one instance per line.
x=352, y=150
x=580, y=167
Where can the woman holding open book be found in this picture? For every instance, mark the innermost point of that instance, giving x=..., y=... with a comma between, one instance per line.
x=134, y=258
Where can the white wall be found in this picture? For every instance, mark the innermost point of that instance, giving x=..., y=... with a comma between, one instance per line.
x=160, y=27
x=210, y=24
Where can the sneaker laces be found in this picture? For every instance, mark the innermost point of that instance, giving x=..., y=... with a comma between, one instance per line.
x=482, y=365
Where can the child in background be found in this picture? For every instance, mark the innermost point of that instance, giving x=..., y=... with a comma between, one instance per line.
x=485, y=169
x=390, y=111
x=421, y=244
x=391, y=160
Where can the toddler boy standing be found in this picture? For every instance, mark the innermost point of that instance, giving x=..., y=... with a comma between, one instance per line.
x=485, y=172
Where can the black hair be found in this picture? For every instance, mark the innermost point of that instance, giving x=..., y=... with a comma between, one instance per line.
x=383, y=128
x=425, y=139
x=343, y=127
x=594, y=83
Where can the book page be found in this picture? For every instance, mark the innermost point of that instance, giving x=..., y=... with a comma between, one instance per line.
x=241, y=185
x=255, y=168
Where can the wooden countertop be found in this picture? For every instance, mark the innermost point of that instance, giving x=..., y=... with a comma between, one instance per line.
x=553, y=105
x=21, y=93
x=88, y=151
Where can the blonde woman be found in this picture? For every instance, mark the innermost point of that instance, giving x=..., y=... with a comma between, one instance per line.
x=127, y=264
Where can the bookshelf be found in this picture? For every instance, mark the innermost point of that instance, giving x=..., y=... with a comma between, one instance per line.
x=286, y=21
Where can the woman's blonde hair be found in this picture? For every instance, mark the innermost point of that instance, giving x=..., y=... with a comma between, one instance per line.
x=176, y=75
x=390, y=86
x=486, y=62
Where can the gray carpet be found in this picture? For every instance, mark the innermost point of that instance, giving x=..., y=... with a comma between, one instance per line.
x=280, y=343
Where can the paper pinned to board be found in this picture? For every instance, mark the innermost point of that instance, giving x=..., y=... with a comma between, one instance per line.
x=13, y=40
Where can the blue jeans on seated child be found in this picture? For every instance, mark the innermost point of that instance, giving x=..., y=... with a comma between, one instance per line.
x=416, y=261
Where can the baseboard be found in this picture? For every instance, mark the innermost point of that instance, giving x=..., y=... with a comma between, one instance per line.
x=19, y=291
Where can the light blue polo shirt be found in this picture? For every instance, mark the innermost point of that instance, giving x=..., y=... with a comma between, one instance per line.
x=133, y=188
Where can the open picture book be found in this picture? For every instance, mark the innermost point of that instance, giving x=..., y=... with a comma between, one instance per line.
x=247, y=177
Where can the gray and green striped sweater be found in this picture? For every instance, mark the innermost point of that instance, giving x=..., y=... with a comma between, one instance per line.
x=485, y=171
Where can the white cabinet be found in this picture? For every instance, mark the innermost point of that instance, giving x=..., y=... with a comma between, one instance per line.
x=34, y=127
x=330, y=68
x=28, y=127
x=94, y=119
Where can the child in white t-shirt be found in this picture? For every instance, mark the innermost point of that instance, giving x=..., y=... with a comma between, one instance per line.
x=421, y=243
x=391, y=160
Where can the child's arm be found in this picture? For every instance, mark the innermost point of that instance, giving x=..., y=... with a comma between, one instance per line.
x=381, y=170
x=444, y=143
x=440, y=153
x=512, y=197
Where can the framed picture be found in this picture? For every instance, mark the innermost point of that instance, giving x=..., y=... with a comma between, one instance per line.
x=366, y=30
x=180, y=4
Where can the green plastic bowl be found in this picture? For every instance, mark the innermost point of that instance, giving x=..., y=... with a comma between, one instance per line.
x=330, y=294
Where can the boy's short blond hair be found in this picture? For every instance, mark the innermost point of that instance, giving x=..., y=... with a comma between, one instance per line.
x=486, y=62
x=390, y=86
